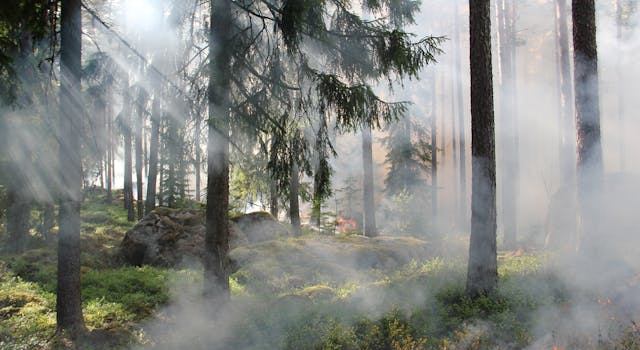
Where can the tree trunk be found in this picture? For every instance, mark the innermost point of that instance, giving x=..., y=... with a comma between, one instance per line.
x=48, y=220
x=369, y=220
x=587, y=104
x=68, y=301
x=294, y=204
x=454, y=147
x=462, y=202
x=18, y=214
x=482, y=271
x=109, y=153
x=138, y=141
x=508, y=117
x=273, y=198
x=434, y=155
x=198, y=157
x=154, y=140
x=128, y=172
x=216, y=271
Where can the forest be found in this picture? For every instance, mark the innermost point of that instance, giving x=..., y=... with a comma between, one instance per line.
x=319, y=174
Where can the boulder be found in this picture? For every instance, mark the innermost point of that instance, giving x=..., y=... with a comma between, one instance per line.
x=168, y=237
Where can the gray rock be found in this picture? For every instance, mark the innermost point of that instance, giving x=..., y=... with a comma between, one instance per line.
x=168, y=237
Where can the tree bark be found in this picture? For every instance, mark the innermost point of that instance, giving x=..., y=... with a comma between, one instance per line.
x=139, y=161
x=48, y=220
x=216, y=271
x=508, y=117
x=128, y=171
x=18, y=214
x=294, y=204
x=68, y=301
x=154, y=140
x=587, y=104
x=482, y=271
x=109, y=179
x=273, y=198
x=462, y=148
x=198, y=157
x=369, y=220
x=434, y=155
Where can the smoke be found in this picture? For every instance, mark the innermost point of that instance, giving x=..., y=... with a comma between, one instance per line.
x=600, y=283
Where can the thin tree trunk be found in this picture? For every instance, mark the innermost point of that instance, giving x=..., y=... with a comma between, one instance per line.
x=138, y=142
x=368, y=198
x=587, y=104
x=48, y=220
x=482, y=271
x=154, y=140
x=216, y=272
x=109, y=154
x=454, y=146
x=18, y=214
x=567, y=121
x=462, y=202
x=508, y=116
x=294, y=201
x=198, y=157
x=128, y=171
x=434, y=154
x=273, y=198
x=68, y=300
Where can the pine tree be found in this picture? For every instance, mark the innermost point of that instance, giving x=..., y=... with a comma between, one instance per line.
x=216, y=272
x=587, y=104
x=482, y=275
x=68, y=300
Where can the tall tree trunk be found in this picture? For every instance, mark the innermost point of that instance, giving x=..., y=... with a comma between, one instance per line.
x=462, y=202
x=128, y=171
x=138, y=142
x=434, y=154
x=198, y=157
x=17, y=150
x=68, y=301
x=482, y=274
x=587, y=104
x=154, y=140
x=216, y=271
x=109, y=179
x=48, y=220
x=294, y=198
x=508, y=117
x=273, y=198
x=369, y=220
x=454, y=147
x=18, y=214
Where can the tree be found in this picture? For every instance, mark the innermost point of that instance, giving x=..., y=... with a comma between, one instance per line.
x=461, y=135
x=154, y=140
x=68, y=301
x=125, y=123
x=434, y=153
x=138, y=129
x=587, y=104
x=509, y=120
x=216, y=272
x=565, y=96
x=369, y=219
x=482, y=274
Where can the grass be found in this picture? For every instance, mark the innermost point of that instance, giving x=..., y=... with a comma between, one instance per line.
x=311, y=292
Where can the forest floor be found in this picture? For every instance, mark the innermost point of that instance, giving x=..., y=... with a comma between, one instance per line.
x=293, y=293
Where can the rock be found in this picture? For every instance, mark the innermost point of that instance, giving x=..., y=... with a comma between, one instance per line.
x=167, y=237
